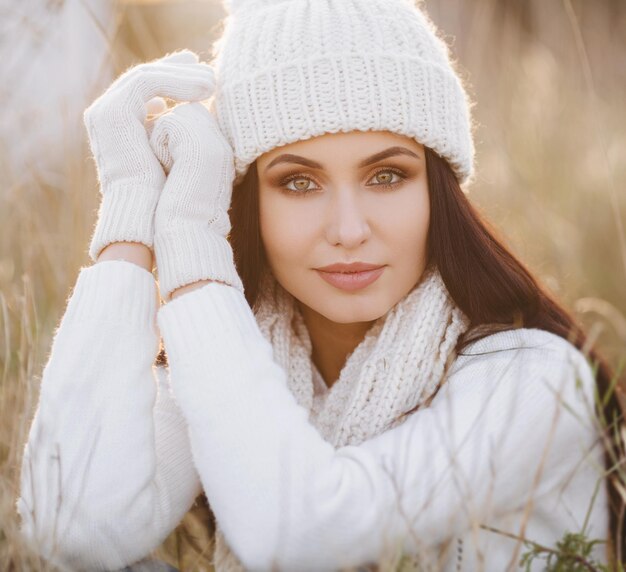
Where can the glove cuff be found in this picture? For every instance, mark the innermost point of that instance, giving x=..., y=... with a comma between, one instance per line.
x=126, y=215
x=186, y=255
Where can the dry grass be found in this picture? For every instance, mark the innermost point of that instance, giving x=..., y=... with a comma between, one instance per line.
x=551, y=139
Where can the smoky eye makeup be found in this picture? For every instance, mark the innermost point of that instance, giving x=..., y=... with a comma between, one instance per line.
x=393, y=178
x=406, y=169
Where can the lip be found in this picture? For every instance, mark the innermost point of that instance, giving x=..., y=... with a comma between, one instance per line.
x=352, y=267
x=352, y=281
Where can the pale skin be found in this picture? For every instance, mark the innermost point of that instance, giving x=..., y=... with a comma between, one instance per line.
x=350, y=214
x=140, y=254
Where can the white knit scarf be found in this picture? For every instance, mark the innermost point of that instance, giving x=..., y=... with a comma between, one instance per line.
x=399, y=365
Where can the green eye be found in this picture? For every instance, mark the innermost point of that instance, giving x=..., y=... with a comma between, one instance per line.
x=302, y=182
x=390, y=182
x=300, y=189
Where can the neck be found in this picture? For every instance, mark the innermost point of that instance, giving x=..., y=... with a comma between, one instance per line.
x=331, y=342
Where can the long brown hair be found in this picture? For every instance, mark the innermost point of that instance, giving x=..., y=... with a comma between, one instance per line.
x=494, y=289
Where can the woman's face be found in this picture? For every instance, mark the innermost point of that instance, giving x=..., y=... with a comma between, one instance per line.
x=340, y=198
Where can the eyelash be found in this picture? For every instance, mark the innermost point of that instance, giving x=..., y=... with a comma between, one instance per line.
x=387, y=186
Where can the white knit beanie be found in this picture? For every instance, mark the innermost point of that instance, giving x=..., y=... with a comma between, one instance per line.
x=289, y=70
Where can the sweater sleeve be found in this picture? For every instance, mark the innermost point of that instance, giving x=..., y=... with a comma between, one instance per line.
x=107, y=470
x=508, y=424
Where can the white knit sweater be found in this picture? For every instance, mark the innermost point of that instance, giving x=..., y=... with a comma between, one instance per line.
x=134, y=453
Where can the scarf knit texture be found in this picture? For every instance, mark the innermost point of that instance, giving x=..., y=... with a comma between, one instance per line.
x=400, y=364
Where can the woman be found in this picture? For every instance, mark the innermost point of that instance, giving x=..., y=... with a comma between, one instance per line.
x=427, y=407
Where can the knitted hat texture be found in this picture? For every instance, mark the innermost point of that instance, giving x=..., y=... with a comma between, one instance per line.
x=289, y=70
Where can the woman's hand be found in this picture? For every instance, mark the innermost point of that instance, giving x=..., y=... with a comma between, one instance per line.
x=131, y=177
x=191, y=219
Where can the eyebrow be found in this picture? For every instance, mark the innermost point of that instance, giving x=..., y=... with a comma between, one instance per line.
x=391, y=152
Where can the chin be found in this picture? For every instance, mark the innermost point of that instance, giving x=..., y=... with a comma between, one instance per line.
x=342, y=311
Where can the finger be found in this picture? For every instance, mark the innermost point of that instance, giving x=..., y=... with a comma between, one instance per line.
x=187, y=84
x=183, y=57
x=180, y=82
x=137, y=75
x=198, y=116
x=155, y=106
x=159, y=138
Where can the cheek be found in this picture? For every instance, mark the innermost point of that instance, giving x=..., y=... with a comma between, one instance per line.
x=406, y=223
x=285, y=229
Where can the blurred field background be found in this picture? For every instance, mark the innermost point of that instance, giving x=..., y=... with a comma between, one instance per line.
x=549, y=82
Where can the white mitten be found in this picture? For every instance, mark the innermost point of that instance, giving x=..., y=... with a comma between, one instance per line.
x=191, y=219
x=131, y=177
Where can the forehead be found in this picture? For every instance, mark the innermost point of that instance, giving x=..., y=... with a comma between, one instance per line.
x=332, y=146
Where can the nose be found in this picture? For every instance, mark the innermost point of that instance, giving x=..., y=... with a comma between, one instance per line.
x=348, y=221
